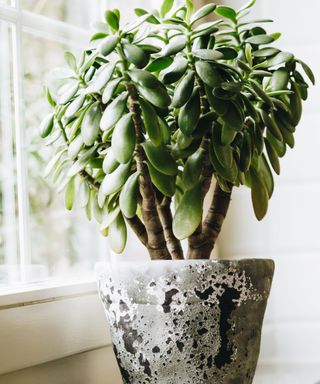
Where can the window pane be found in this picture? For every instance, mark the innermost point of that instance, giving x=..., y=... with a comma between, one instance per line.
x=77, y=12
x=9, y=269
x=61, y=242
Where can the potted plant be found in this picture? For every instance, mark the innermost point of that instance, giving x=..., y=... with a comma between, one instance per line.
x=142, y=123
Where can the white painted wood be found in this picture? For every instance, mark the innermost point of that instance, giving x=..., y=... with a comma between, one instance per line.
x=35, y=332
x=93, y=367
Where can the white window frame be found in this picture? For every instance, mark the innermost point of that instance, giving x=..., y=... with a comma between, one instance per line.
x=55, y=317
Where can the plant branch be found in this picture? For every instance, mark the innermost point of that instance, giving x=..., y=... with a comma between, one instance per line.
x=156, y=240
x=165, y=214
x=139, y=229
x=212, y=225
x=91, y=181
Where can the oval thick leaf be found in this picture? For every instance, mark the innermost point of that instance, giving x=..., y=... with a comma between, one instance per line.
x=118, y=234
x=192, y=169
x=84, y=193
x=128, y=199
x=226, y=12
x=135, y=55
x=189, y=114
x=91, y=124
x=188, y=215
x=260, y=39
x=202, y=12
x=81, y=163
x=208, y=54
x=161, y=159
x=113, y=112
x=46, y=125
x=157, y=96
x=175, y=45
x=175, y=71
x=114, y=181
x=279, y=80
x=123, y=139
x=208, y=74
x=159, y=64
x=259, y=196
x=110, y=90
x=151, y=122
x=69, y=194
x=74, y=106
x=110, y=163
x=108, y=45
x=183, y=91
x=280, y=58
x=164, y=183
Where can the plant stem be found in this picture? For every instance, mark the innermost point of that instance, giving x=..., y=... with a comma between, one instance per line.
x=139, y=229
x=156, y=245
x=212, y=225
x=165, y=214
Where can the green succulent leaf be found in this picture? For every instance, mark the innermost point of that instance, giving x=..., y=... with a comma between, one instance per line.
x=46, y=125
x=260, y=39
x=84, y=193
x=183, y=91
x=70, y=193
x=118, y=234
x=123, y=139
x=202, y=12
x=112, y=20
x=280, y=58
x=208, y=74
x=91, y=125
x=308, y=71
x=192, y=169
x=175, y=71
x=259, y=195
x=188, y=214
x=113, y=112
x=189, y=114
x=81, y=163
x=175, y=46
x=128, y=199
x=151, y=122
x=164, y=183
x=166, y=7
x=114, y=181
x=135, y=55
x=159, y=64
x=208, y=54
x=273, y=157
x=226, y=12
x=108, y=45
x=71, y=60
x=279, y=80
x=109, y=90
x=160, y=158
x=110, y=162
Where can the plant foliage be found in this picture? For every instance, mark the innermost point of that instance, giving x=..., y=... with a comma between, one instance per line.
x=153, y=110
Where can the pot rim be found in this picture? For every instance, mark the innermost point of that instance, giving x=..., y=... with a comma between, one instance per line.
x=127, y=263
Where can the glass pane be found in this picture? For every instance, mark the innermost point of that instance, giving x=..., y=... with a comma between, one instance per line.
x=78, y=12
x=7, y=2
x=9, y=268
x=61, y=242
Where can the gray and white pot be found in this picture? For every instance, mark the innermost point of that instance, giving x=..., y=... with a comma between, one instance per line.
x=186, y=322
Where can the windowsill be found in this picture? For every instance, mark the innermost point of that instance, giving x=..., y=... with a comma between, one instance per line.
x=42, y=292
x=49, y=321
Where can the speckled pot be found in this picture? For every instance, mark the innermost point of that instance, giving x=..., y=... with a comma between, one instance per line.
x=186, y=322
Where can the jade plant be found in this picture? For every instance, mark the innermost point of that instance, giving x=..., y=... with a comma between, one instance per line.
x=153, y=111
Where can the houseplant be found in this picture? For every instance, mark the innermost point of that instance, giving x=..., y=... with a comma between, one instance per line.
x=142, y=123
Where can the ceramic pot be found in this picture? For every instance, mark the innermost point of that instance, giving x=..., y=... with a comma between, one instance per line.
x=186, y=322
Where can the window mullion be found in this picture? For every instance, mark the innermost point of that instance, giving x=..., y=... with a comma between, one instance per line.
x=21, y=154
x=8, y=168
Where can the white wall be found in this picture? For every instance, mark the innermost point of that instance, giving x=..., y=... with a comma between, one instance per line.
x=291, y=232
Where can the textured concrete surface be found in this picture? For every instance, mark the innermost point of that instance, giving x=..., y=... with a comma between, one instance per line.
x=186, y=322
